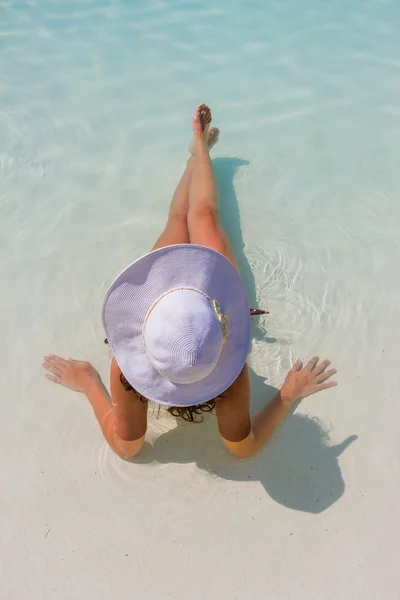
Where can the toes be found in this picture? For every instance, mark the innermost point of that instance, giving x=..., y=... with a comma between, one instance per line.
x=205, y=115
x=201, y=117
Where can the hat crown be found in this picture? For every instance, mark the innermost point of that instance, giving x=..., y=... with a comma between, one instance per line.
x=183, y=336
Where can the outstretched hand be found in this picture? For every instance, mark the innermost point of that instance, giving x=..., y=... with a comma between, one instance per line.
x=72, y=374
x=304, y=381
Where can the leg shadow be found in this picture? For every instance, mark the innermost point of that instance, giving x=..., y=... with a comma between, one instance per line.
x=225, y=170
x=299, y=469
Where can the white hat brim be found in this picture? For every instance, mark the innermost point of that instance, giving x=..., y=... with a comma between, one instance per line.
x=136, y=289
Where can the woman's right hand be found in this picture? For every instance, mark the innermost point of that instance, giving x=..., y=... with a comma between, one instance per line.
x=72, y=374
x=304, y=381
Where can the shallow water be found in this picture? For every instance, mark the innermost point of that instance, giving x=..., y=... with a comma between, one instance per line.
x=95, y=106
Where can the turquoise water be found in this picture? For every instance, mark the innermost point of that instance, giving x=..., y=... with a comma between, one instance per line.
x=95, y=105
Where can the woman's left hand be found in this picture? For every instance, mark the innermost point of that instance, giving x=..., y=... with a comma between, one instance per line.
x=304, y=381
x=73, y=374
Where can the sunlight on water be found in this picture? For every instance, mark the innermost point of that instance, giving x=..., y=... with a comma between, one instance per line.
x=96, y=98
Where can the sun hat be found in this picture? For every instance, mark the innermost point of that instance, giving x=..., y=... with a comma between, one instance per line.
x=178, y=323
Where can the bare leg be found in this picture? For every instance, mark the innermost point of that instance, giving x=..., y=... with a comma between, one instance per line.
x=203, y=219
x=176, y=230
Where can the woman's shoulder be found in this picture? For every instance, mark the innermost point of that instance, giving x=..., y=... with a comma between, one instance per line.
x=239, y=390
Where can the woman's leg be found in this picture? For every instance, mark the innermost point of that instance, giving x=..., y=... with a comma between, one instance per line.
x=176, y=229
x=203, y=219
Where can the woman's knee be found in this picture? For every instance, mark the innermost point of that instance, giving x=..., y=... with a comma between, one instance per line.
x=204, y=213
x=203, y=222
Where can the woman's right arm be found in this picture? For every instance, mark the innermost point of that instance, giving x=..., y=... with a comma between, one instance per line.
x=129, y=416
x=244, y=437
x=123, y=421
x=122, y=418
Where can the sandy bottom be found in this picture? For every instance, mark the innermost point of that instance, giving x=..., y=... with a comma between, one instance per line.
x=95, y=106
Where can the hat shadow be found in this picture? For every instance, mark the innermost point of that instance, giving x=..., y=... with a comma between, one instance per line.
x=225, y=170
x=298, y=468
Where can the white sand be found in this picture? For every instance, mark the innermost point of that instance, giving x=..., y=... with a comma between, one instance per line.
x=307, y=100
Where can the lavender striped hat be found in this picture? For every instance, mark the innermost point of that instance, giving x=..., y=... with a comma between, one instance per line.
x=178, y=323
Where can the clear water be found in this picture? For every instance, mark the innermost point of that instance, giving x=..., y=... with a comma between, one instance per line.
x=95, y=105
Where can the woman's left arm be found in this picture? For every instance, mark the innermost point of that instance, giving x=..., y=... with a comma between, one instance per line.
x=122, y=418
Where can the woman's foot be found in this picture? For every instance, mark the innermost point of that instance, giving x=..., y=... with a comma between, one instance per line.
x=201, y=122
x=200, y=119
x=213, y=137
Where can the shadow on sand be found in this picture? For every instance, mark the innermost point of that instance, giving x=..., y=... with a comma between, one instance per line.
x=298, y=468
x=225, y=170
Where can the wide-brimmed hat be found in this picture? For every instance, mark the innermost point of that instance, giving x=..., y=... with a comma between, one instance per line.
x=178, y=323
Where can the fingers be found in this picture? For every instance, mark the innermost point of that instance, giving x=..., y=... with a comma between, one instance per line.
x=320, y=368
x=325, y=386
x=310, y=366
x=298, y=365
x=55, y=360
x=52, y=369
x=318, y=387
x=325, y=375
x=53, y=378
x=55, y=365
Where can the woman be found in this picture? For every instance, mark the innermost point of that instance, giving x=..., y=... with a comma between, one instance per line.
x=178, y=324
